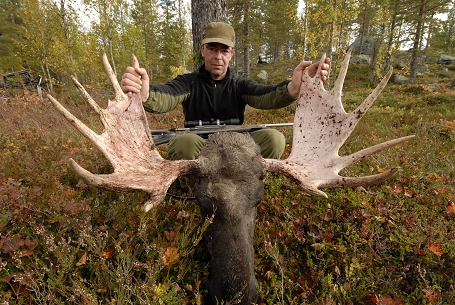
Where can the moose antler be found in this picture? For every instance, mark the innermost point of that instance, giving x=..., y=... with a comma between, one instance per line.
x=127, y=143
x=321, y=126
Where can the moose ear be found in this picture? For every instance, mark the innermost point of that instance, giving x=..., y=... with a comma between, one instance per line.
x=321, y=127
x=128, y=145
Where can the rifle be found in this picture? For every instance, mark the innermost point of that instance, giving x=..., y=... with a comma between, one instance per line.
x=204, y=129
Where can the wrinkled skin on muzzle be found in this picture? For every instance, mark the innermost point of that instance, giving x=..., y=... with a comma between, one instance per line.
x=229, y=186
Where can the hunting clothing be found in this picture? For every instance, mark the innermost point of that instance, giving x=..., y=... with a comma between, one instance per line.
x=206, y=99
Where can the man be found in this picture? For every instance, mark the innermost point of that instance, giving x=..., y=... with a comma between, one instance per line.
x=213, y=93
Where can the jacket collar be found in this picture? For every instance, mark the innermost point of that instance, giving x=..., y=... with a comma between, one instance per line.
x=206, y=75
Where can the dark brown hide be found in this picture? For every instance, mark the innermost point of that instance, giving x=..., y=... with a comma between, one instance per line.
x=229, y=186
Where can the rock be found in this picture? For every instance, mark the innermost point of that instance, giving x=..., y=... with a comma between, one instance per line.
x=445, y=60
x=368, y=45
x=263, y=75
x=402, y=80
x=361, y=59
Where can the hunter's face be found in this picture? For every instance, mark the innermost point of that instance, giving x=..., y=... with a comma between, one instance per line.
x=216, y=57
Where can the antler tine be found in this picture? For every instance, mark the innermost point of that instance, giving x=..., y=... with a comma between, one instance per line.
x=338, y=86
x=112, y=77
x=359, y=181
x=135, y=61
x=363, y=108
x=87, y=132
x=321, y=126
x=86, y=96
x=348, y=160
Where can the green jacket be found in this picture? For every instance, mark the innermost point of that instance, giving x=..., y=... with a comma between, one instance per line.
x=206, y=99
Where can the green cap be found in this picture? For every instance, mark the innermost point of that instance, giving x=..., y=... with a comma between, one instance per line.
x=219, y=32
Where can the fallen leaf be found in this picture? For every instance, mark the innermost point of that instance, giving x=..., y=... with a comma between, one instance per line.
x=12, y=244
x=408, y=193
x=188, y=287
x=435, y=247
x=431, y=295
x=450, y=208
x=101, y=290
x=370, y=300
x=68, y=193
x=82, y=260
x=443, y=191
x=107, y=253
x=262, y=207
x=380, y=207
x=318, y=246
x=170, y=256
x=100, y=219
x=388, y=300
x=434, y=177
x=25, y=253
x=170, y=235
x=396, y=188
x=420, y=252
x=6, y=279
x=327, y=218
x=31, y=244
x=300, y=235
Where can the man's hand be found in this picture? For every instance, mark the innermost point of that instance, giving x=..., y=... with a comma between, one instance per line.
x=294, y=85
x=136, y=80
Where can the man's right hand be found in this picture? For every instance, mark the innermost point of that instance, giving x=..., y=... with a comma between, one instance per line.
x=136, y=80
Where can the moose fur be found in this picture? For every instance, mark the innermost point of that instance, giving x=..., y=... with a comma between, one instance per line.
x=228, y=188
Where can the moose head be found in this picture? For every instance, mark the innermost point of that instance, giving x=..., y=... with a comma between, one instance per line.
x=230, y=169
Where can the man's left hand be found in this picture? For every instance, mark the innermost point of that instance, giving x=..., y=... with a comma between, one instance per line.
x=294, y=85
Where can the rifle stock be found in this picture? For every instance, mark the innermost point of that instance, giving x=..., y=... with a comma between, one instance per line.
x=162, y=136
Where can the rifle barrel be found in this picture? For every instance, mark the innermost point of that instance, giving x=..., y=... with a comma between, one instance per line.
x=221, y=127
x=164, y=136
x=279, y=124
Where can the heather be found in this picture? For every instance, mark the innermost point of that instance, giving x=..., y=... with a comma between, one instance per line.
x=64, y=242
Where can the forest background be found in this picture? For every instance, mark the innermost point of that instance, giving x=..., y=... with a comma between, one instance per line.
x=57, y=39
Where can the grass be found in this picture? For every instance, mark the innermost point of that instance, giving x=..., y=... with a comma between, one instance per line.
x=64, y=242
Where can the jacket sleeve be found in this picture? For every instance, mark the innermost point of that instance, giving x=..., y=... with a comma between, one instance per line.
x=164, y=98
x=266, y=97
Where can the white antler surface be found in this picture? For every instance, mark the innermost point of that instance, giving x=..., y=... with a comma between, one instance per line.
x=127, y=143
x=321, y=126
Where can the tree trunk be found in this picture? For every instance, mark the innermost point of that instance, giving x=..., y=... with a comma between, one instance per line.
x=363, y=27
x=305, y=27
x=417, y=36
x=393, y=22
x=202, y=13
x=332, y=28
x=246, y=48
x=429, y=32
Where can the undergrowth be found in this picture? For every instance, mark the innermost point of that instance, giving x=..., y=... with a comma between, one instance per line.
x=64, y=242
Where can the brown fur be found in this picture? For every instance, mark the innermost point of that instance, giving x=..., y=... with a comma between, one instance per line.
x=229, y=186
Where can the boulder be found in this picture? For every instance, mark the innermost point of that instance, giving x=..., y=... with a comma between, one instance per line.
x=368, y=46
x=402, y=80
x=445, y=60
x=361, y=59
x=263, y=75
